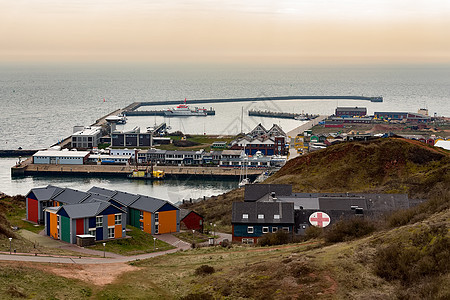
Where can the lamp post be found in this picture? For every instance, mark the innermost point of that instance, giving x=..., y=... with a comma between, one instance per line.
x=10, y=239
x=214, y=234
x=104, y=251
x=154, y=243
x=193, y=241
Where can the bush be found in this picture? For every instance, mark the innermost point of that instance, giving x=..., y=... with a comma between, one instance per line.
x=185, y=143
x=313, y=232
x=204, y=270
x=425, y=254
x=348, y=229
x=278, y=238
x=197, y=296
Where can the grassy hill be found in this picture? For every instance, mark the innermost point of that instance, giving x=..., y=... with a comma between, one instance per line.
x=379, y=166
x=406, y=258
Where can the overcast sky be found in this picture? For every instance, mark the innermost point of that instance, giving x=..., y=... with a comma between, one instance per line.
x=268, y=32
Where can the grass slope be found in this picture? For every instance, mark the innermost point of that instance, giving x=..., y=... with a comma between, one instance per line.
x=380, y=166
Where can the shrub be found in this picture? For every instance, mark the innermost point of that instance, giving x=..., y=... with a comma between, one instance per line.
x=278, y=238
x=204, y=270
x=425, y=254
x=313, y=232
x=185, y=143
x=348, y=229
x=198, y=296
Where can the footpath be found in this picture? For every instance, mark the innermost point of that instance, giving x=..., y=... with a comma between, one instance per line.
x=110, y=257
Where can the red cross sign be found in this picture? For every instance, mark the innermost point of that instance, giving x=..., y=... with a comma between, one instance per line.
x=319, y=219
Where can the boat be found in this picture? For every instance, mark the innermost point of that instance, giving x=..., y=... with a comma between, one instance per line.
x=156, y=174
x=243, y=178
x=183, y=110
x=301, y=118
x=152, y=174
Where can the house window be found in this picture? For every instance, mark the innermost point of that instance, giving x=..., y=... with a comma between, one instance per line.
x=260, y=216
x=156, y=217
x=244, y=216
x=58, y=220
x=99, y=221
x=156, y=229
x=111, y=233
x=92, y=231
x=141, y=225
x=274, y=229
x=286, y=229
x=118, y=219
x=141, y=215
x=250, y=229
x=276, y=217
x=247, y=241
x=265, y=229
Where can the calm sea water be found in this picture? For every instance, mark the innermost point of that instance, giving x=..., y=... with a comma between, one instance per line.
x=41, y=104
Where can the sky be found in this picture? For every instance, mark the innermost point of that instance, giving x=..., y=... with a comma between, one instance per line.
x=213, y=31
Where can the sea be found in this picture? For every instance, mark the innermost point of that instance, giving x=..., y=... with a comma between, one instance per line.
x=40, y=104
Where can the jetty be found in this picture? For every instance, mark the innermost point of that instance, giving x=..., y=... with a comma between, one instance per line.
x=280, y=115
x=209, y=112
x=28, y=169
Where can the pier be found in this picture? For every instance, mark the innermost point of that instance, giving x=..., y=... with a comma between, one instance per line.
x=27, y=169
x=209, y=112
x=280, y=115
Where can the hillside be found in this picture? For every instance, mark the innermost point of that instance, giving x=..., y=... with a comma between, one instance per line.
x=379, y=166
x=406, y=262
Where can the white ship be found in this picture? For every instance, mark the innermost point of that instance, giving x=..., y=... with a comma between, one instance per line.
x=184, y=110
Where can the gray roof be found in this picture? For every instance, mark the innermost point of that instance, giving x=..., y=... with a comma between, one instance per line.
x=102, y=191
x=149, y=204
x=269, y=209
x=96, y=197
x=122, y=197
x=45, y=193
x=125, y=198
x=254, y=192
x=85, y=210
x=304, y=203
x=70, y=196
x=341, y=203
x=184, y=212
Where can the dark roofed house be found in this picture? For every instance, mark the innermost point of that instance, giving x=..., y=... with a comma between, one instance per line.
x=250, y=220
x=254, y=192
x=189, y=220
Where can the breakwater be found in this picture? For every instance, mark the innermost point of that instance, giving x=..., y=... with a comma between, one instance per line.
x=17, y=153
x=281, y=115
x=136, y=105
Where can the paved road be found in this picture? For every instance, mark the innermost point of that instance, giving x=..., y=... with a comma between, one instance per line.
x=111, y=257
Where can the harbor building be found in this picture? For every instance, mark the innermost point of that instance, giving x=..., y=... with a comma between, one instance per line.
x=350, y=111
x=56, y=157
x=87, y=138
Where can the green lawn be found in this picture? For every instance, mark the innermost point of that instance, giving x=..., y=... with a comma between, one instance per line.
x=198, y=237
x=205, y=142
x=139, y=243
